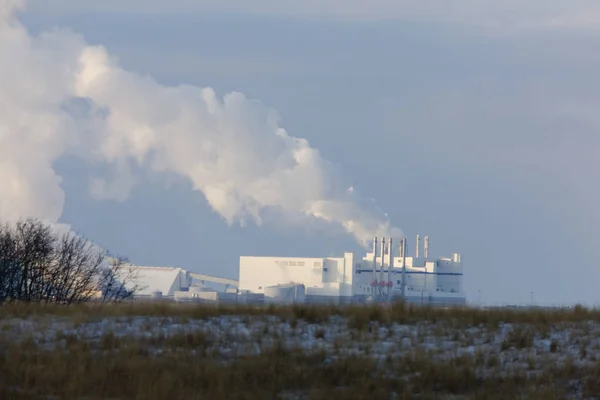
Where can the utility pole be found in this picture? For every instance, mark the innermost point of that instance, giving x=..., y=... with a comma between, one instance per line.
x=531, y=299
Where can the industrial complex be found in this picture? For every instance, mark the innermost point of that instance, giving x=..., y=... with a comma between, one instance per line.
x=379, y=276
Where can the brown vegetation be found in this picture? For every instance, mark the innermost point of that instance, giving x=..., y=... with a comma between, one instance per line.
x=176, y=364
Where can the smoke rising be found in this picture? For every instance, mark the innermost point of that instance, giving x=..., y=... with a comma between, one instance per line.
x=60, y=96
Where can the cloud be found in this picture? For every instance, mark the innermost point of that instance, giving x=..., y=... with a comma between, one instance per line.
x=8, y=7
x=61, y=96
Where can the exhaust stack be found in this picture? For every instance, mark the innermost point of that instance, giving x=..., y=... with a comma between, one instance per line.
x=374, y=257
x=390, y=265
x=382, y=259
x=404, y=269
x=417, y=247
x=426, y=247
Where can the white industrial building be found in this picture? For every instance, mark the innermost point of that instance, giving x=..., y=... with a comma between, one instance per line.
x=378, y=276
x=381, y=275
x=177, y=284
x=157, y=281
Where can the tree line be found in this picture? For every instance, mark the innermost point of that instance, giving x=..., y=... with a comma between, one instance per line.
x=40, y=264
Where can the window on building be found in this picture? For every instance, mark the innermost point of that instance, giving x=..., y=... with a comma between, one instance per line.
x=317, y=263
x=301, y=263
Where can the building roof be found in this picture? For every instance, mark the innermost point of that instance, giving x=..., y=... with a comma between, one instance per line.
x=164, y=279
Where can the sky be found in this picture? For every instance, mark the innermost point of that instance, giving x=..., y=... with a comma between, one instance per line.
x=474, y=124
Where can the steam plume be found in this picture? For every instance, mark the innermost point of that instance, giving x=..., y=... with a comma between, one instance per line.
x=59, y=95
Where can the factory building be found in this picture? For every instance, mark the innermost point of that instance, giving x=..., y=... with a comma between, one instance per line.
x=178, y=284
x=385, y=273
x=325, y=279
x=380, y=275
x=158, y=281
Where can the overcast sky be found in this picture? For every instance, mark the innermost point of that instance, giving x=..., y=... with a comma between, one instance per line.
x=474, y=123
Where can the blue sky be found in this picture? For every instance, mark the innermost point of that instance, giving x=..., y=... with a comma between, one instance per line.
x=475, y=125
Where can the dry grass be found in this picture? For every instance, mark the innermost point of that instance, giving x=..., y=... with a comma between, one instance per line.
x=361, y=314
x=171, y=351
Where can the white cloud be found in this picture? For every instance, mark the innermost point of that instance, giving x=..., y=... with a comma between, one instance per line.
x=60, y=95
x=7, y=8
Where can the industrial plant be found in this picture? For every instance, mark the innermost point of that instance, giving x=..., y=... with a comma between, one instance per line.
x=382, y=275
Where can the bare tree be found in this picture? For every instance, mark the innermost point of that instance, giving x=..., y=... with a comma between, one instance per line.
x=119, y=280
x=39, y=264
x=9, y=266
x=79, y=266
x=26, y=249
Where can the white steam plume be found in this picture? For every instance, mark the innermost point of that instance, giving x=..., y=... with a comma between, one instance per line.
x=58, y=95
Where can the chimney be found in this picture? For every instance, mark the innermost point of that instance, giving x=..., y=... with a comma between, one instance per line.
x=426, y=247
x=374, y=256
x=456, y=257
x=382, y=259
x=404, y=269
x=390, y=265
x=417, y=246
x=390, y=252
x=401, y=248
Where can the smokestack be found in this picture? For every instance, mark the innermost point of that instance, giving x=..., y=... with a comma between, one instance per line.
x=401, y=248
x=390, y=265
x=382, y=259
x=426, y=247
x=418, y=246
x=404, y=269
x=390, y=252
x=374, y=257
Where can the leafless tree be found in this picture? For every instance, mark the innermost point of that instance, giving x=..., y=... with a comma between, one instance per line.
x=39, y=264
x=26, y=250
x=119, y=281
x=9, y=271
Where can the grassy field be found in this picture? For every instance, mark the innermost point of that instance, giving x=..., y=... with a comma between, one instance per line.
x=171, y=351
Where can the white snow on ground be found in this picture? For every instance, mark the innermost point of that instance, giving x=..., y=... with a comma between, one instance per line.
x=514, y=347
